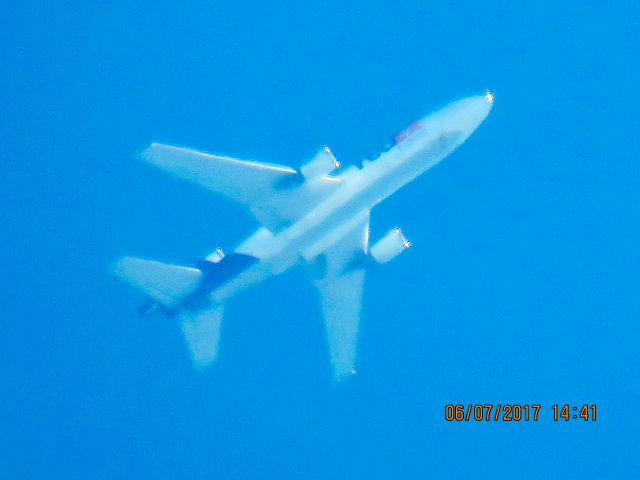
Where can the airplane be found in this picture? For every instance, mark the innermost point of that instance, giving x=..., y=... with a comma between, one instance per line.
x=308, y=215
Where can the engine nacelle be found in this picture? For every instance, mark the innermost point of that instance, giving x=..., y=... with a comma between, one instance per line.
x=390, y=246
x=321, y=164
x=216, y=256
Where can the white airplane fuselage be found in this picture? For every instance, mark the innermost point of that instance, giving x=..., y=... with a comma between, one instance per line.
x=427, y=142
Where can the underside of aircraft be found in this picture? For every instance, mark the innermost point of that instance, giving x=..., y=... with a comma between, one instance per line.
x=309, y=215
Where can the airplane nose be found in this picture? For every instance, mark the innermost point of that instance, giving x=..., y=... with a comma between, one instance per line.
x=467, y=114
x=462, y=116
x=489, y=96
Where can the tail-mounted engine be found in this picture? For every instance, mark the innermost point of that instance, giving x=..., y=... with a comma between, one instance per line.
x=390, y=246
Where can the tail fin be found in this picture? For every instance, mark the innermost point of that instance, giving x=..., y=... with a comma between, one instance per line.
x=165, y=283
x=202, y=332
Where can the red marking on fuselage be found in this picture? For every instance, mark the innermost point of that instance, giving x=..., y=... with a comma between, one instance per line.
x=402, y=136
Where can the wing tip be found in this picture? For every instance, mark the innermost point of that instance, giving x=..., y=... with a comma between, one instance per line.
x=117, y=268
x=202, y=364
x=341, y=376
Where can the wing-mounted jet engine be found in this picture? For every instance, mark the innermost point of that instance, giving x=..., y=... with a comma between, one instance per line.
x=323, y=163
x=390, y=246
x=216, y=256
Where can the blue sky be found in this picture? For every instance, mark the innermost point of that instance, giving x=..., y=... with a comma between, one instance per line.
x=522, y=286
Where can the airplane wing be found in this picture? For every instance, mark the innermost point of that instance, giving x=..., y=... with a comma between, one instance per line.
x=340, y=286
x=266, y=189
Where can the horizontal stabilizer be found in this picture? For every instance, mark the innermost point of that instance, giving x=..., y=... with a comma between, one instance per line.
x=202, y=333
x=165, y=283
